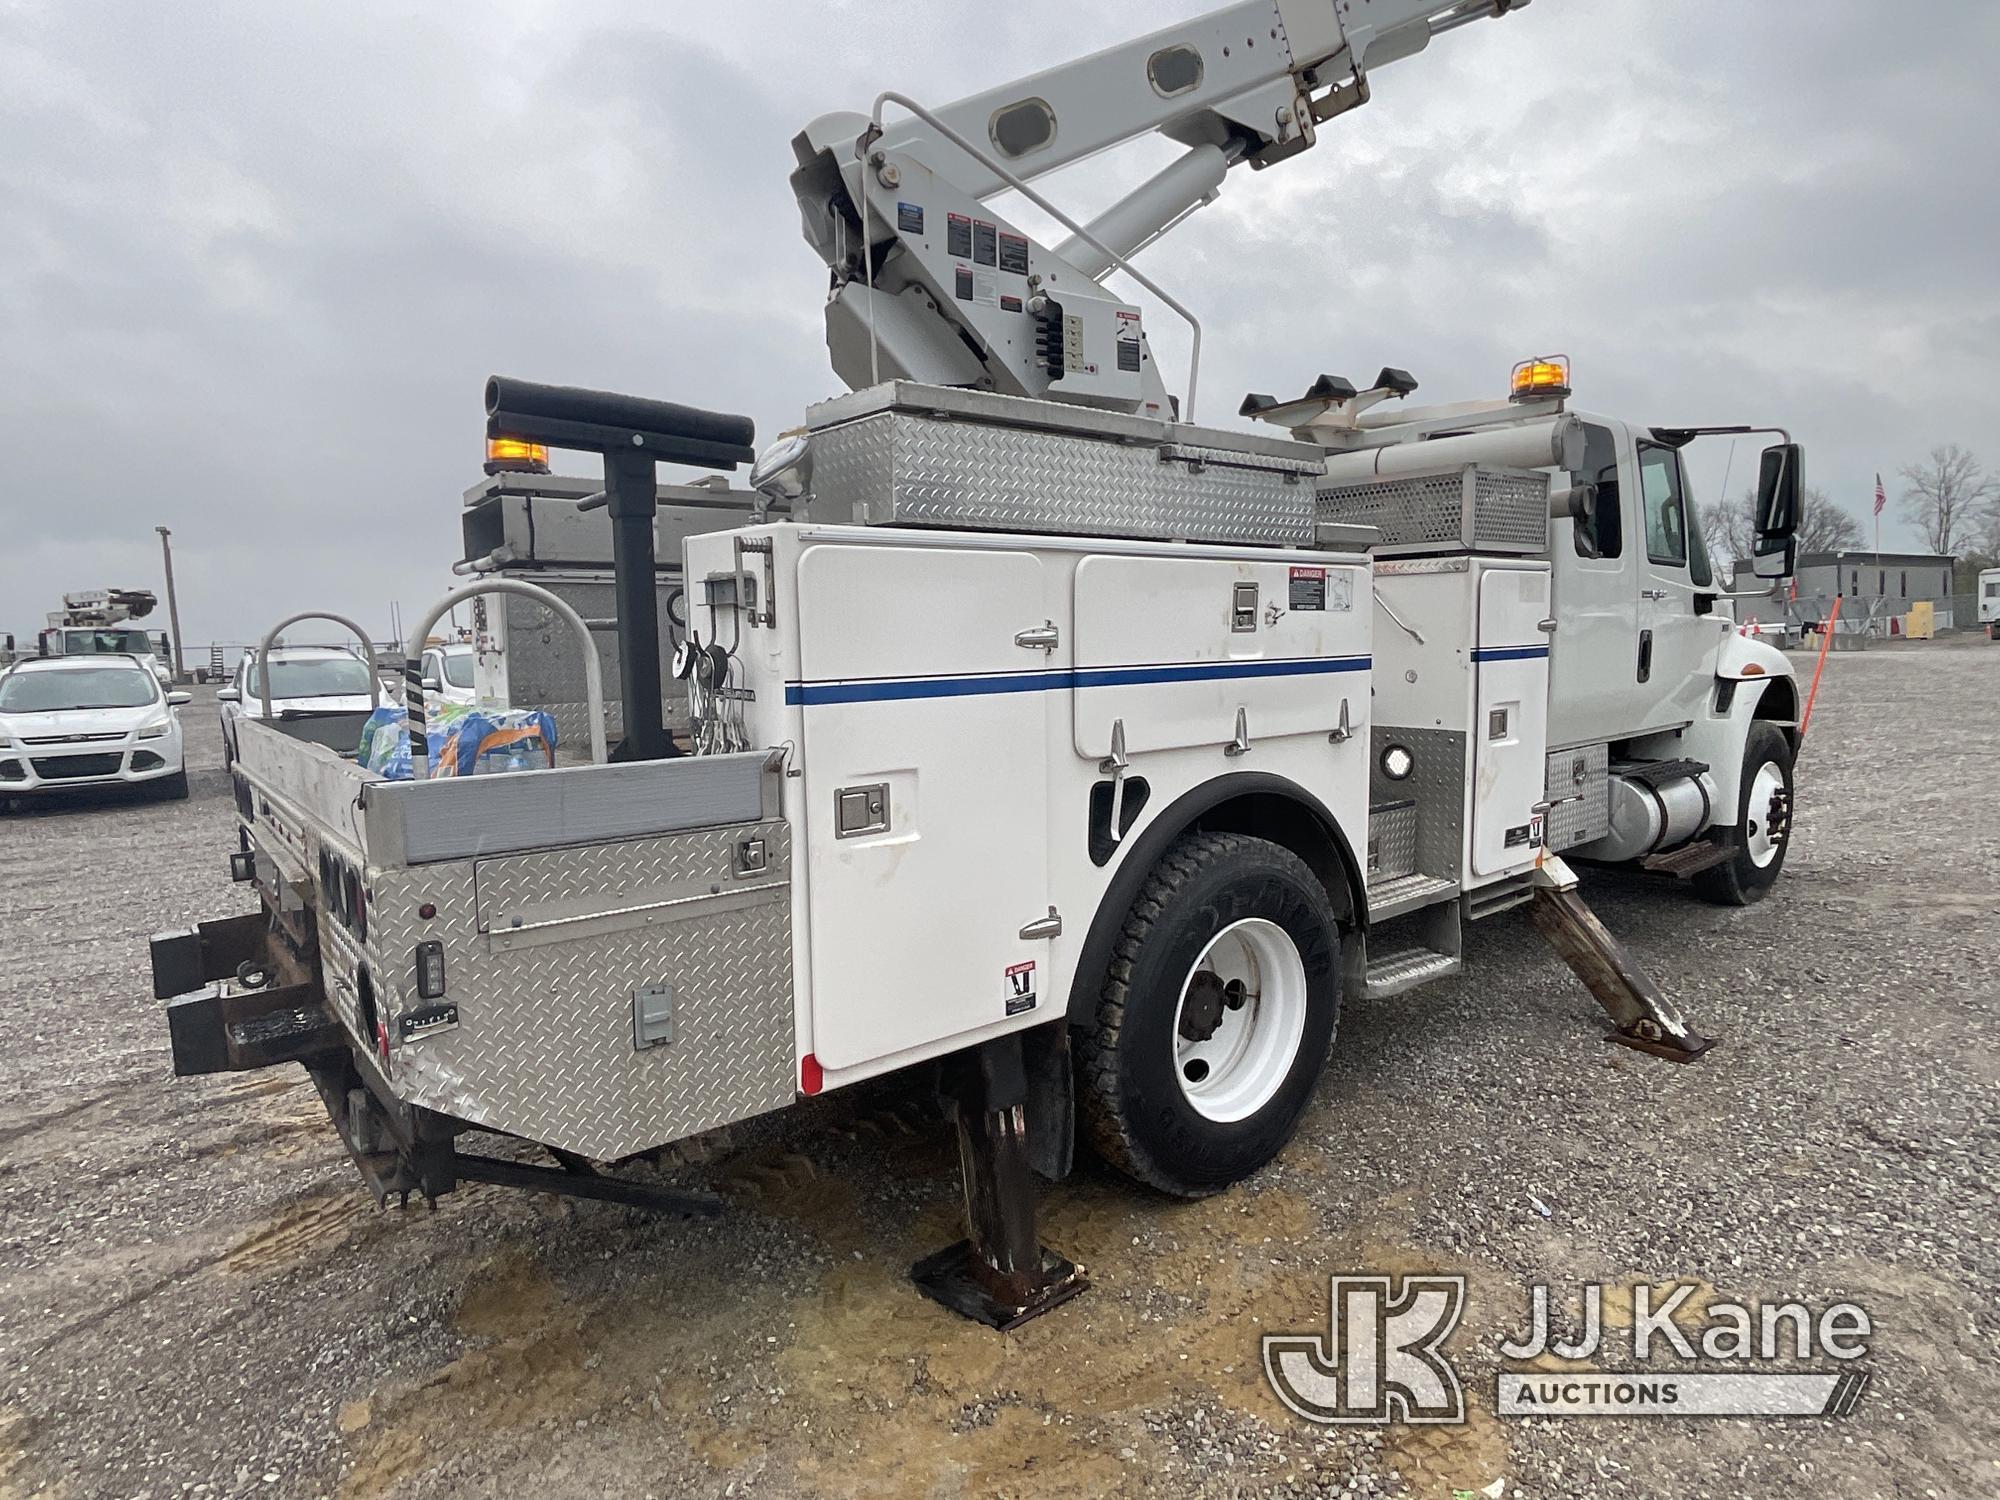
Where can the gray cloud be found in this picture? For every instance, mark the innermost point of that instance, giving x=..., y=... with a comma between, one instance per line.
x=256, y=260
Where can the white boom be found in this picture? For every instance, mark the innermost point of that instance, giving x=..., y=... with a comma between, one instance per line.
x=930, y=284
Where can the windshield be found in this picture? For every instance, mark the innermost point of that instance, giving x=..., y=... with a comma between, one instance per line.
x=326, y=677
x=458, y=669
x=97, y=642
x=88, y=687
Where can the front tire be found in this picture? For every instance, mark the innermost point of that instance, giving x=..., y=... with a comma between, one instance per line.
x=172, y=788
x=1216, y=1016
x=1763, y=823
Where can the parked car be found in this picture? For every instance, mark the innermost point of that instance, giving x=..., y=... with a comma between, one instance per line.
x=307, y=682
x=448, y=673
x=97, y=720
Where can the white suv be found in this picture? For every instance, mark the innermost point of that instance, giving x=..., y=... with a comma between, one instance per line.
x=81, y=721
x=328, y=683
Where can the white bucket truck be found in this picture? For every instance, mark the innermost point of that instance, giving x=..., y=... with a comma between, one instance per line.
x=1035, y=733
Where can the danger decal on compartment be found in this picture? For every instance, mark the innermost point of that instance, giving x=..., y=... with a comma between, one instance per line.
x=1308, y=588
x=1020, y=987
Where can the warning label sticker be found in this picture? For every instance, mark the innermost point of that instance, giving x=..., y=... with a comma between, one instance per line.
x=958, y=236
x=1020, y=987
x=986, y=288
x=962, y=283
x=1308, y=588
x=1014, y=253
x=1128, y=342
x=910, y=218
x=985, y=250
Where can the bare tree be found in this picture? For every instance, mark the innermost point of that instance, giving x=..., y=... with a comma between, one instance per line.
x=1730, y=526
x=1726, y=527
x=1949, y=497
x=1826, y=527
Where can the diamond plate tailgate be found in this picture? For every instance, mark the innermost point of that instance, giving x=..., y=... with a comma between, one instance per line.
x=546, y=955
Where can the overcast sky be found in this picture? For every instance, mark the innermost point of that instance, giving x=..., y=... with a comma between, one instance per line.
x=257, y=259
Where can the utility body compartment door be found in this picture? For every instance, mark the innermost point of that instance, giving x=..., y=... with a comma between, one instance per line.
x=1510, y=719
x=926, y=793
x=1174, y=647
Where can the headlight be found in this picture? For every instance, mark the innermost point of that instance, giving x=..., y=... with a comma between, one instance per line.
x=1397, y=762
x=155, y=730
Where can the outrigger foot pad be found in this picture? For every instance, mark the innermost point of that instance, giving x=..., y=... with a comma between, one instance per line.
x=1686, y=1048
x=1001, y=1274
x=960, y=1278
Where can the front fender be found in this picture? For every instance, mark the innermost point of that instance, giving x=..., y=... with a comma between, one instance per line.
x=1743, y=657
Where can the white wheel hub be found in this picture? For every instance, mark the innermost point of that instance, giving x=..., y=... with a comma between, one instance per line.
x=1767, y=819
x=1239, y=1021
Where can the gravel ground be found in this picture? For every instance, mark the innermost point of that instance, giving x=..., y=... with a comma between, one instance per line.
x=197, y=1298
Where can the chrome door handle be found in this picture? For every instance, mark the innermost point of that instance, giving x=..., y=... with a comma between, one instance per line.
x=1547, y=627
x=1654, y=594
x=1043, y=637
x=1044, y=927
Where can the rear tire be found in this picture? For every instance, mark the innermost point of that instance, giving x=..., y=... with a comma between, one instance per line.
x=1216, y=1016
x=1763, y=823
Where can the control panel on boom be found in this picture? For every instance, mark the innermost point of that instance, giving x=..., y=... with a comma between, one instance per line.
x=931, y=284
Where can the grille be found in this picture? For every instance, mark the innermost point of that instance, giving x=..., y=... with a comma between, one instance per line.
x=1462, y=510
x=71, y=739
x=72, y=767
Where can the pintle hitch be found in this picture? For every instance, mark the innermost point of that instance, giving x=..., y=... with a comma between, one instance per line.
x=1643, y=1018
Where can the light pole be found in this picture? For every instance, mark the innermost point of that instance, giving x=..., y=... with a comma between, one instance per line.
x=173, y=603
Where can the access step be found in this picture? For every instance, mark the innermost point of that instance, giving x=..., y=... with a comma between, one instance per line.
x=1392, y=896
x=1403, y=969
x=1689, y=859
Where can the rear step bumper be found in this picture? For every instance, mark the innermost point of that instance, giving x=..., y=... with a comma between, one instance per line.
x=225, y=1013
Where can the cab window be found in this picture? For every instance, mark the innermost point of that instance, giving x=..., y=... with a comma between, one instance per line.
x=1666, y=511
x=1601, y=535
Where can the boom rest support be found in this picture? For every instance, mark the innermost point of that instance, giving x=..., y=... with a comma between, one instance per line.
x=632, y=435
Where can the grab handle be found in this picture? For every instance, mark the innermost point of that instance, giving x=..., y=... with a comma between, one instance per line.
x=413, y=663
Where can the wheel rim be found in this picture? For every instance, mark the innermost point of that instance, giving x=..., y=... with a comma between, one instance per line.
x=1767, y=815
x=1239, y=1019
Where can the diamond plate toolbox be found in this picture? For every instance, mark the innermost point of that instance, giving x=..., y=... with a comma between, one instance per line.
x=1470, y=509
x=1004, y=464
x=547, y=954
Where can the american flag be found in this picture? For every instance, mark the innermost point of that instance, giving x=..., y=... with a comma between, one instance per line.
x=1881, y=495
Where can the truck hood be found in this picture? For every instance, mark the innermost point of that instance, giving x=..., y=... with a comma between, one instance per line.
x=281, y=707
x=78, y=721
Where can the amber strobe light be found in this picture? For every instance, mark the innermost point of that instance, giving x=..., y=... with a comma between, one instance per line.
x=1546, y=375
x=516, y=456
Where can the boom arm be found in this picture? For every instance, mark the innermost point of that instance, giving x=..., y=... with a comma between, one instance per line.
x=928, y=284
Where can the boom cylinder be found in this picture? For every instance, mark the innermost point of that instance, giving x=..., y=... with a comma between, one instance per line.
x=1555, y=443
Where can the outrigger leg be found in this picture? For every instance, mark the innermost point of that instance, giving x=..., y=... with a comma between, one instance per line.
x=1001, y=1274
x=1645, y=1019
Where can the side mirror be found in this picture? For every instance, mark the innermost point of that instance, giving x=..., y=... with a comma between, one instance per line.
x=433, y=685
x=228, y=695
x=1774, y=558
x=179, y=700
x=1780, y=493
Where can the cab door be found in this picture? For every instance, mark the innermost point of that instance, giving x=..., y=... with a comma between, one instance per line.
x=1597, y=563
x=1673, y=665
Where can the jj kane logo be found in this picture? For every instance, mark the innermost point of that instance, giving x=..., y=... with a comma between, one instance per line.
x=1381, y=1359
